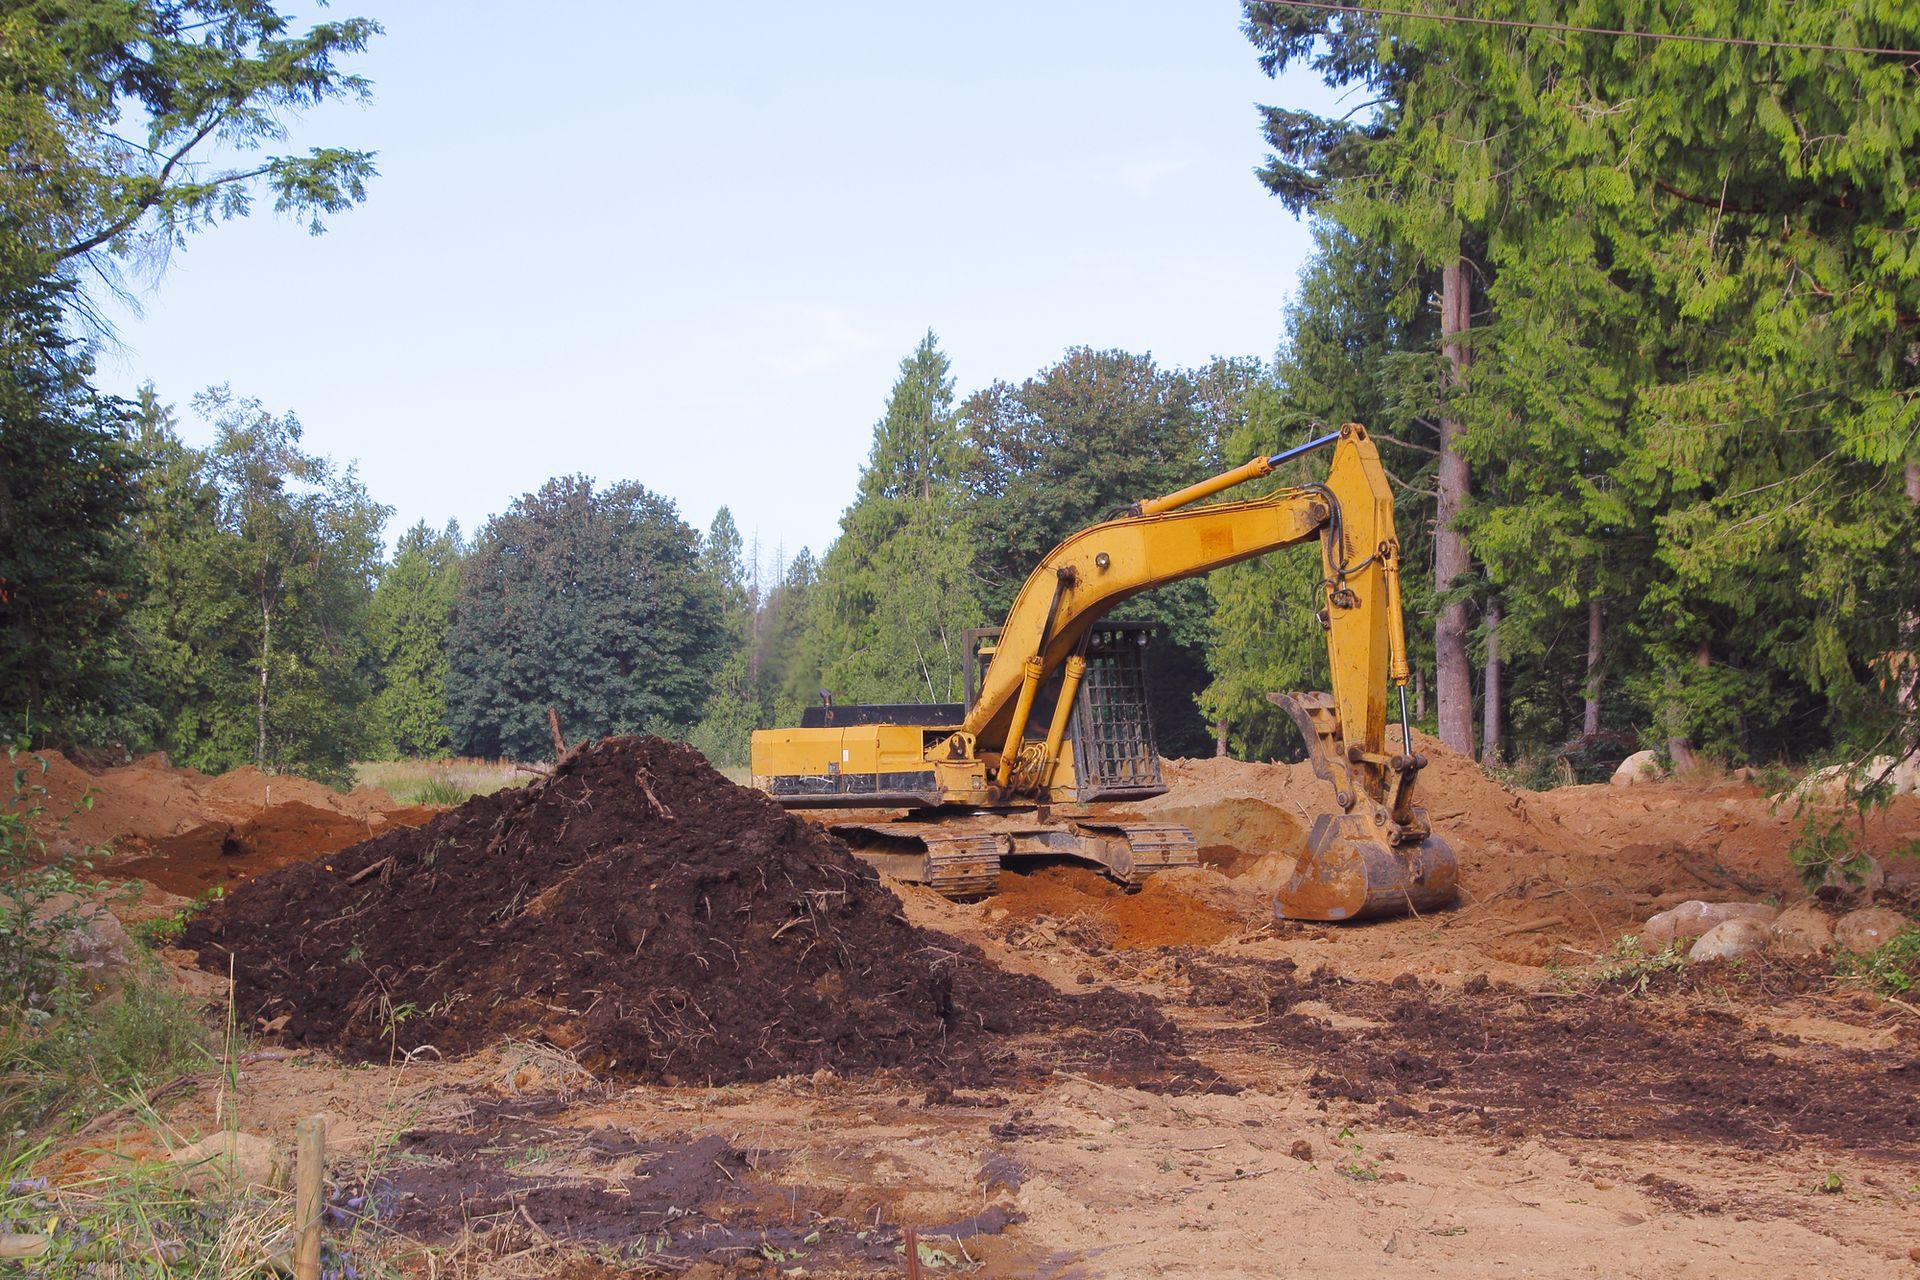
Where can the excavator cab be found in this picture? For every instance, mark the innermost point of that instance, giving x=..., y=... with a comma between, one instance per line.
x=1056, y=721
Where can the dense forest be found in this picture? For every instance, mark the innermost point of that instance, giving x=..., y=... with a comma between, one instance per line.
x=1637, y=322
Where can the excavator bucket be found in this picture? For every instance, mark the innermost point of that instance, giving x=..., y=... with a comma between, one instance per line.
x=1345, y=873
x=1376, y=856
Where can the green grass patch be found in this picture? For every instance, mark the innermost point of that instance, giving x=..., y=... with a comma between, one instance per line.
x=452, y=781
x=1892, y=968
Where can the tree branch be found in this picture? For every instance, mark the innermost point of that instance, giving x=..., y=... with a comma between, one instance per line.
x=1378, y=434
x=152, y=198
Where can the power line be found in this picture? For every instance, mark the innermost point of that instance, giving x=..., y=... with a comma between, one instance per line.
x=1571, y=29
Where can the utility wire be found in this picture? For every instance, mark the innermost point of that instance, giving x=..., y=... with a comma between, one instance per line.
x=1572, y=29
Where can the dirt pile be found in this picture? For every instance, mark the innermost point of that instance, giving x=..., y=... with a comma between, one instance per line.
x=1271, y=806
x=1168, y=911
x=138, y=807
x=661, y=923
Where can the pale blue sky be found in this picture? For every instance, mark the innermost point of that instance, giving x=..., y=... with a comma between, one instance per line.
x=688, y=244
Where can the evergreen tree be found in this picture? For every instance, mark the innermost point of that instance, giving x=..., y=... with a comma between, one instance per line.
x=1357, y=348
x=896, y=589
x=589, y=601
x=786, y=683
x=407, y=624
x=67, y=563
x=733, y=708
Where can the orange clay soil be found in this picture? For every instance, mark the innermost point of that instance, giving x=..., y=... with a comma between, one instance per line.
x=1161, y=914
x=186, y=832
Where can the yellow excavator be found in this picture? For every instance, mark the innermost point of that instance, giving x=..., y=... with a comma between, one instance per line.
x=1055, y=733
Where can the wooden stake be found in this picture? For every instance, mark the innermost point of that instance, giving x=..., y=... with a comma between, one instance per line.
x=309, y=1196
x=913, y=1254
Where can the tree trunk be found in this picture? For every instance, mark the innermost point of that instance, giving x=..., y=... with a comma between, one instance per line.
x=1451, y=558
x=1419, y=693
x=1219, y=737
x=266, y=655
x=1590, y=723
x=1490, y=720
x=1908, y=685
x=1679, y=745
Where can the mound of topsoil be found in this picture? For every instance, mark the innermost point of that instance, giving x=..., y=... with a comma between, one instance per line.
x=659, y=922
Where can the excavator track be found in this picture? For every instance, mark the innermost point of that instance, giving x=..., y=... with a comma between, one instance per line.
x=961, y=857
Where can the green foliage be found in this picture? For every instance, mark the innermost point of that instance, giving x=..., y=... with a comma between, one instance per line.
x=1351, y=353
x=43, y=899
x=260, y=564
x=1892, y=968
x=407, y=622
x=162, y=931
x=733, y=708
x=1691, y=395
x=436, y=790
x=591, y=602
x=201, y=86
x=67, y=560
x=1824, y=851
x=1634, y=970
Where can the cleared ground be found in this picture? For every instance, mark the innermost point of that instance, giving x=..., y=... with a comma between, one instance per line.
x=1451, y=1095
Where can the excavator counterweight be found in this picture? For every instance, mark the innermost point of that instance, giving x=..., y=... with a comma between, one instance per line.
x=1054, y=736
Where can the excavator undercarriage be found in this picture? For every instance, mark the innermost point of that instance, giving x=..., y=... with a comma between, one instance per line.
x=963, y=788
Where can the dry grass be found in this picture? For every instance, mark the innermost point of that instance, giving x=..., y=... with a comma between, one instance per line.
x=447, y=781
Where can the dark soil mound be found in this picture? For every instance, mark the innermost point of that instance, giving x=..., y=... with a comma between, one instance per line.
x=643, y=912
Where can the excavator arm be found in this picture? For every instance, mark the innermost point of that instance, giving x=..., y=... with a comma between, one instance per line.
x=1376, y=855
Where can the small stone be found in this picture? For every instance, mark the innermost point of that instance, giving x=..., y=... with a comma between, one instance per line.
x=1731, y=939
x=1301, y=1149
x=1641, y=766
x=1681, y=925
x=1868, y=929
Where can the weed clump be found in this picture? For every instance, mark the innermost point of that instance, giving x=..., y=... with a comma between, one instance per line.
x=69, y=1046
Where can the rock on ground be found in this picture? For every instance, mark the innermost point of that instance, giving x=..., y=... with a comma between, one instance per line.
x=1731, y=939
x=229, y=1161
x=1641, y=766
x=1868, y=929
x=98, y=945
x=1803, y=930
x=1680, y=926
x=1847, y=882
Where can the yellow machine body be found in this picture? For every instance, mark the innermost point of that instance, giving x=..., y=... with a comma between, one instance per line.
x=1012, y=753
